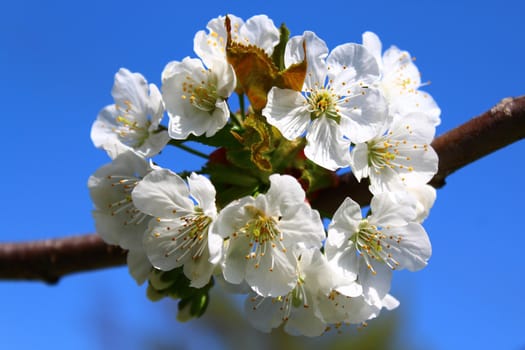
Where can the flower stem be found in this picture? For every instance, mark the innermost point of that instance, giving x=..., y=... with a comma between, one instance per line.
x=189, y=149
x=241, y=105
x=236, y=119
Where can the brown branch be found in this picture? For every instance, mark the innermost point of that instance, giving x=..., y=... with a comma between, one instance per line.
x=498, y=127
x=49, y=260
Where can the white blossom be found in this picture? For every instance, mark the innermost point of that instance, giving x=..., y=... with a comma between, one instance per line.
x=298, y=309
x=337, y=105
x=338, y=309
x=258, y=31
x=425, y=196
x=177, y=234
x=357, y=107
x=368, y=249
x=134, y=119
x=264, y=235
x=397, y=157
x=195, y=97
x=401, y=81
x=117, y=220
x=314, y=305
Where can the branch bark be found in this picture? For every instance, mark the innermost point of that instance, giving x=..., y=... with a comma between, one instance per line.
x=49, y=260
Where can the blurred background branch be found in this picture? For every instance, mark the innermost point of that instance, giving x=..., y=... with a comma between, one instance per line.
x=49, y=260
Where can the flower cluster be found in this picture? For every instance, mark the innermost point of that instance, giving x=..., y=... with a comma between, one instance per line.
x=245, y=219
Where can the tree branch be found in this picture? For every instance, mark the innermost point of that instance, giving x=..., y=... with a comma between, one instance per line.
x=48, y=260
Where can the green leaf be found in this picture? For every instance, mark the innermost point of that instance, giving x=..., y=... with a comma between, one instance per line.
x=222, y=138
x=278, y=51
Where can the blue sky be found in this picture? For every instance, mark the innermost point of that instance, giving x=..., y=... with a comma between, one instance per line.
x=57, y=62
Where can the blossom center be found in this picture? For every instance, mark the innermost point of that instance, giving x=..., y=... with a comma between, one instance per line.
x=125, y=207
x=294, y=299
x=191, y=236
x=129, y=131
x=373, y=244
x=263, y=235
x=393, y=151
x=203, y=94
x=262, y=228
x=381, y=153
x=322, y=103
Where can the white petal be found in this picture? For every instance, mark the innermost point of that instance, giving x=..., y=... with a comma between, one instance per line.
x=358, y=310
x=109, y=229
x=400, y=70
x=316, y=52
x=234, y=266
x=199, y=271
x=352, y=290
x=423, y=166
x=425, y=196
x=215, y=245
x=351, y=63
x=326, y=145
x=316, y=272
x=413, y=250
x=211, y=47
x=415, y=126
x=303, y=321
x=208, y=49
x=274, y=276
x=304, y=229
x=260, y=31
x=233, y=217
x=161, y=243
x=263, y=314
x=287, y=111
x=285, y=194
x=335, y=241
x=226, y=80
x=376, y=285
x=242, y=288
x=416, y=101
x=385, y=179
x=154, y=143
x=102, y=131
x=373, y=44
x=392, y=209
x=359, y=161
x=347, y=217
x=139, y=266
x=203, y=191
x=346, y=263
x=390, y=303
x=155, y=106
x=210, y=124
x=131, y=87
x=162, y=193
x=363, y=117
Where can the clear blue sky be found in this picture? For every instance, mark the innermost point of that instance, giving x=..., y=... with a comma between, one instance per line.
x=57, y=62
